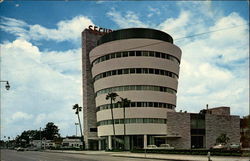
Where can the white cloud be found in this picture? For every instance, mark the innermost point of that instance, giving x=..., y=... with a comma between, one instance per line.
x=176, y=26
x=67, y=30
x=153, y=11
x=21, y=116
x=130, y=19
x=39, y=85
x=214, y=68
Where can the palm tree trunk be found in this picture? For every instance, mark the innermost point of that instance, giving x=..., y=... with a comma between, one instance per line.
x=81, y=131
x=113, y=123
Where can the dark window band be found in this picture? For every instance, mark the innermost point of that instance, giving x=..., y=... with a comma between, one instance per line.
x=138, y=104
x=136, y=88
x=136, y=53
x=133, y=33
x=133, y=121
x=135, y=71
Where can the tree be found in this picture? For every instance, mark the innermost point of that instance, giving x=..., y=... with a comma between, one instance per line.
x=223, y=138
x=112, y=96
x=124, y=103
x=26, y=136
x=78, y=109
x=51, y=131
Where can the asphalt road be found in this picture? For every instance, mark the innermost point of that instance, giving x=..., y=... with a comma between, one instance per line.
x=12, y=155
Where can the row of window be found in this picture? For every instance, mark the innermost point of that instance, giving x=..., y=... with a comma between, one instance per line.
x=138, y=104
x=136, y=88
x=133, y=121
x=135, y=71
x=136, y=53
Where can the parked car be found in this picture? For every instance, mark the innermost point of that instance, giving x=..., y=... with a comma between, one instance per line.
x=220, y=146
x=165, y=146
x=234, y=146
x=151, y=147
x=20, y=149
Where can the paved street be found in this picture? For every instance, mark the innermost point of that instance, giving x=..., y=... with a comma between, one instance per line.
x=12, y=155
x=59, y=155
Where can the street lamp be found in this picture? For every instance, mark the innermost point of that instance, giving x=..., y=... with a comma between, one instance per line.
x=7, y=86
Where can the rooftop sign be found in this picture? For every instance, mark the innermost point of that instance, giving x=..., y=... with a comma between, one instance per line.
x=99, y=30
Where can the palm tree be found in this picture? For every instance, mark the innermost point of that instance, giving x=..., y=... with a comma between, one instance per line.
x=124, y=103
x=223, y=138
x=78, y=109
x=112, y=96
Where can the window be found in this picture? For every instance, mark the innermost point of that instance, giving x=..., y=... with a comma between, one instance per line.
x=138, y=70
x=157, y=71
x=162, y=72
x=107, y=57
x=145, y=70
x=132, y=70
x=131, y=53
x=135, y=53
x=119, y=71
x=163, y=55
x=151, y=53
x=151, y=71
x=126, y=71
x=157, y=54
x=102, y=59
x=108, y=73
x=132, y=87
x=118, y=55
x=138, y=53
x=114, y=72
x=133, y=104
x=112, y=55
x=125, y=54
x=145, y=53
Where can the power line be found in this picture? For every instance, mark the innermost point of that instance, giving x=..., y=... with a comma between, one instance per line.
x=194, y=35
x=236, y=26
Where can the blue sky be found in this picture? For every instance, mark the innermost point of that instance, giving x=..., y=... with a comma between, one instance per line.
x=41, y=53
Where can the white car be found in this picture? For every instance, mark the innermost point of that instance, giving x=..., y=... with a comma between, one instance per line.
x=151, y=147
x=165, y=146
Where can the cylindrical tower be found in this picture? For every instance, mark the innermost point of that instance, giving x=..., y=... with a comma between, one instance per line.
x=142, y=65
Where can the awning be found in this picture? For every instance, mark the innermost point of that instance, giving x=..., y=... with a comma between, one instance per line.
x=168, y=136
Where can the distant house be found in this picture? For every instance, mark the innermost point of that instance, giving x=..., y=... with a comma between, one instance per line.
x=44, y=144
x=72, y=142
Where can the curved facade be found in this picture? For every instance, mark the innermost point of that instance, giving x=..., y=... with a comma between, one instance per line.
x=141, y=65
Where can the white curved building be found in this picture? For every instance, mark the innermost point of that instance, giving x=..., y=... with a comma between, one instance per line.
x=141, y=65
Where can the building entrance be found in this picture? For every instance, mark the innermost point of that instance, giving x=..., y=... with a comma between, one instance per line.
x=197, y=142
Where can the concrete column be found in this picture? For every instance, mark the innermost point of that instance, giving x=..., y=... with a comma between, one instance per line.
x=145, y=141
x=110, y=142
x=100, y=144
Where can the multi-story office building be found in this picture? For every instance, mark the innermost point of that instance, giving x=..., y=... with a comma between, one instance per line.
x=141, y=65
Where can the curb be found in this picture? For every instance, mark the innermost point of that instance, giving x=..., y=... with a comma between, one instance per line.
x=66, y=152
x=152, y=158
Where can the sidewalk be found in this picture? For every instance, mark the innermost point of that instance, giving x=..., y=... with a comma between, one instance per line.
x=172, y=157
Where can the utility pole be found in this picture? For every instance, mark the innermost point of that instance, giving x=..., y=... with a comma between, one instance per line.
x=40, y=140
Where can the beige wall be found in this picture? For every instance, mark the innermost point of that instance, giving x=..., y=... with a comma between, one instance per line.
x=144, y=96
x=144, y=112
x=179, y=123
x=133, y=129
x=136, y=62
x=218, y=124
x=135, y=79
x=135, y=44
